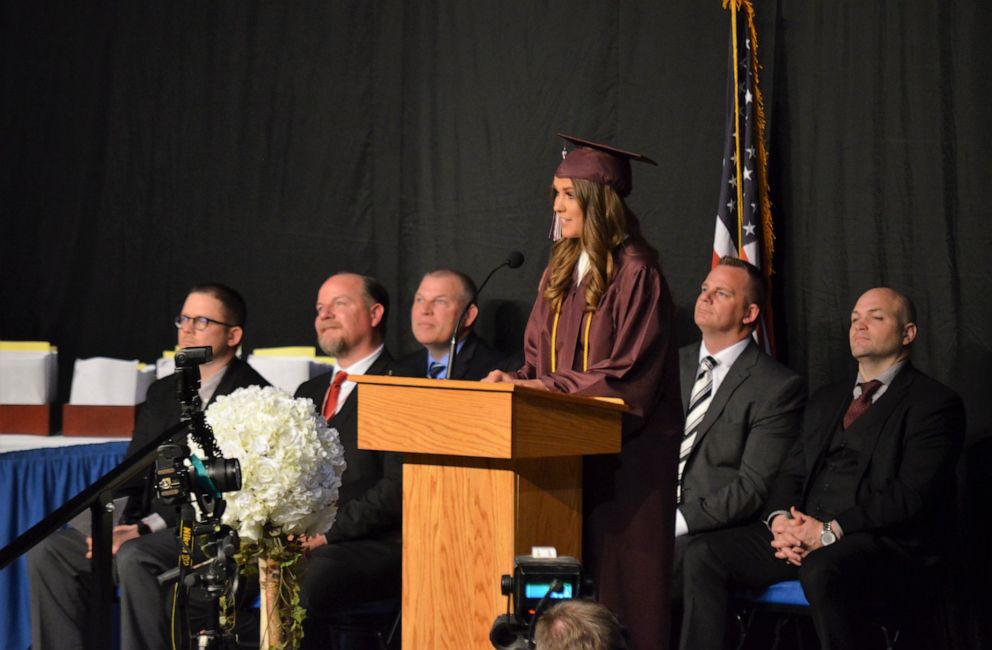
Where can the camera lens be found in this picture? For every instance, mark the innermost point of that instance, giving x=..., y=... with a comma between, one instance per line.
x=225, y=473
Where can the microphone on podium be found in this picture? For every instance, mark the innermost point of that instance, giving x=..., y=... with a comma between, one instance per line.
x=513, y=260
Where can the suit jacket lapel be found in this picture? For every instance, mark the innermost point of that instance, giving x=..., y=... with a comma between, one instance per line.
x=872, y=423
x=463, y=359
x=350, y=407
x=421, y=363
x=739, y=372
x=381, y=365
x=228, y=383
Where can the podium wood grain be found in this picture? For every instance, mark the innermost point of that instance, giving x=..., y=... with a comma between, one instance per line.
x=489, y=471
x=466, y=418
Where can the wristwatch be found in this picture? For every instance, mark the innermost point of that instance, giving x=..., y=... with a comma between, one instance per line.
x=827, y=536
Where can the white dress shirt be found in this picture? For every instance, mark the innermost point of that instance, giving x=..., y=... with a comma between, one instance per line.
x=360, y=367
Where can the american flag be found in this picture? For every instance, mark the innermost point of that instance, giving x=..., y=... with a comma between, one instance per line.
x=744, y=218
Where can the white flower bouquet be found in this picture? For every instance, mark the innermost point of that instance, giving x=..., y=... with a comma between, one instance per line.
x=291, y=467
x=291, y=463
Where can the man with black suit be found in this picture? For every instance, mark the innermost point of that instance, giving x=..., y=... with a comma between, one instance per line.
x=144, y=541
x=358, y=560
x=858, y=511
x=745, y=415
x=440, y=299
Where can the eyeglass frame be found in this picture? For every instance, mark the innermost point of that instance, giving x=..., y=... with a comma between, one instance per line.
x=178, y=321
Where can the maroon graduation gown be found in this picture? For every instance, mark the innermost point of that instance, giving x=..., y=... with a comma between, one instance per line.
x=628, y=498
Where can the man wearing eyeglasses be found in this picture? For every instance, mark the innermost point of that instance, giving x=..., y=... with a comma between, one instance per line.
x=144, y=541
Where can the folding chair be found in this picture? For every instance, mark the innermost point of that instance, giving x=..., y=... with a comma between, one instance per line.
x=787, y=600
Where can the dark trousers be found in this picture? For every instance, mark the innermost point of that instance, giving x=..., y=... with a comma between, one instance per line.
x=839, y=580
x=342, y=575
x=678, y=563
x=61, y=590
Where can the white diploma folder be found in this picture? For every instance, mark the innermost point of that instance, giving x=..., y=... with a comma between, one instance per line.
x=110, y=382
x=28, y=372
x=166, y=364
x=288, y=367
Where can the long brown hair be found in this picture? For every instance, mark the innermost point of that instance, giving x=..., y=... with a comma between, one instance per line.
x=606, y=222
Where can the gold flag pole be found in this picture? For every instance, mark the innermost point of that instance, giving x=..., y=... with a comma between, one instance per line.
x=737, y=129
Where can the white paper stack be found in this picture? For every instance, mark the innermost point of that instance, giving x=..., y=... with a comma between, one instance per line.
x=110, y=382
x=166, y=364
x=28, y=372
x=288, y=367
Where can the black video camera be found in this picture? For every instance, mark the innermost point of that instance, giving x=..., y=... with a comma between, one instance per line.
x=535, y=585
x=176, y=481
x=181, y=476
x=190, y=357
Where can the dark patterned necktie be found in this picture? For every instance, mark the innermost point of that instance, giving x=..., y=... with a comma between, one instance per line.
x=862, y=402
x=435, y=369
x=699, y=401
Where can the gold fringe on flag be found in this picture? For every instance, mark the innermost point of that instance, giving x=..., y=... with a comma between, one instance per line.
x=764, y=200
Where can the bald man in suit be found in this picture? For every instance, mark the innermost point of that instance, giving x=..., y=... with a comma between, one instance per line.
x=861, y=509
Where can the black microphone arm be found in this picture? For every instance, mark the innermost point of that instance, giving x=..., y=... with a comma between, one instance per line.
x=513, y=260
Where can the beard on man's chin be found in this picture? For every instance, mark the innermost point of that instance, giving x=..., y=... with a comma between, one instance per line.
x=335, y=348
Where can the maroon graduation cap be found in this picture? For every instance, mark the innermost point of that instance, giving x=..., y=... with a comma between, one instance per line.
x=599, y=163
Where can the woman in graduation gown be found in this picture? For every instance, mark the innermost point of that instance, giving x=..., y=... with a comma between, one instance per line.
x=602, y=326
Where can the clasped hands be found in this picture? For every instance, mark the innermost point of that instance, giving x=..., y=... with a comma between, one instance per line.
x=793, y=539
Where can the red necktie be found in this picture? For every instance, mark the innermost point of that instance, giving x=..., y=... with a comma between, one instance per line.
x=331, y=399
x=861, y=402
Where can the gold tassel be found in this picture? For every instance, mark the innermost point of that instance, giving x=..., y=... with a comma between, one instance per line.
x=764, y=199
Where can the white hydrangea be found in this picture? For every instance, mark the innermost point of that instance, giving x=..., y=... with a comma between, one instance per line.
x=291, y=462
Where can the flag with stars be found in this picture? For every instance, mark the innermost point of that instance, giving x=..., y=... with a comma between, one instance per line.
x=744, y=218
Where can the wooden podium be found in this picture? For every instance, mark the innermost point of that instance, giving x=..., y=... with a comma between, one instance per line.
x=489, y=471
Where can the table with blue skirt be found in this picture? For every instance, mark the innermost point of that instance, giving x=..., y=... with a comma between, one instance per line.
x=37, y=476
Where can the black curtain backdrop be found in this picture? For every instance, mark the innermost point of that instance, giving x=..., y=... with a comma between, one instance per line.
x=150, y=145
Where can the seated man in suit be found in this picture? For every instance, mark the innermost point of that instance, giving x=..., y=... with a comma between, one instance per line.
x=358, y=560
x=742, y=409
x=440, y=299
x=144, y=541
x=862, y=500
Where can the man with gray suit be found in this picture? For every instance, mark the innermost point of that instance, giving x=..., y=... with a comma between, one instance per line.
x=861, y=511
x=742, y=410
